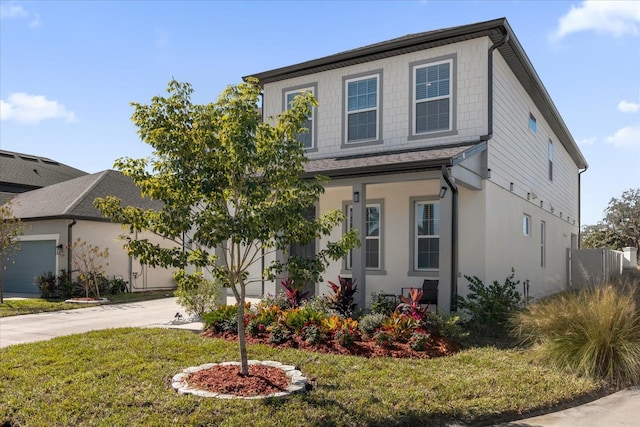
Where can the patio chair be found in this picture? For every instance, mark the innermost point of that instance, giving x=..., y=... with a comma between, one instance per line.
x=429, y=292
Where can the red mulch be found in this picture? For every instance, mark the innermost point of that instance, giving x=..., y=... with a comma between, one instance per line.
x=262, y=380
x=227, y=379
x=437, y=347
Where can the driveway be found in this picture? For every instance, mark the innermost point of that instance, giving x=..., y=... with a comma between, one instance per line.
x=43, y=326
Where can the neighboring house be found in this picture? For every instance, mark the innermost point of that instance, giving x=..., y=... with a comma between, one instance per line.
x=447, y=154
x=24, y=172
x=57, y=215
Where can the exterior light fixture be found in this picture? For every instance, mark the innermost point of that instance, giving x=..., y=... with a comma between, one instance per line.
x=356, y=196
x=489, y=173
x=528, y=196
x=59, y=250
x=511, y=186
x=443, y=192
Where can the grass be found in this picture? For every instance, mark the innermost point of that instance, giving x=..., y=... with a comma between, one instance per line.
x=594, y=332
x=40, y=305
x=121, y=377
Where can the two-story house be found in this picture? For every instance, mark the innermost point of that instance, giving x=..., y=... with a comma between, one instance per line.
x=448, y=155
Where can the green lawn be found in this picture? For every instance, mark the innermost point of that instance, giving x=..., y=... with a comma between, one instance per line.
x=121, y=377
x=40, y=305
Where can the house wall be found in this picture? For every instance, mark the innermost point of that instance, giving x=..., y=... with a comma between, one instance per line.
x=470, y=96
x=517, y=155
x=104, y=235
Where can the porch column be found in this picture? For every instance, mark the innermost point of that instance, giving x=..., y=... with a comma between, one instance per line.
x=446, y=228
x=358, y=263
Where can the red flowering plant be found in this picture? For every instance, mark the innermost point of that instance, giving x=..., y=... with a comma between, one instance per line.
x=295, y=295
x=411, y=305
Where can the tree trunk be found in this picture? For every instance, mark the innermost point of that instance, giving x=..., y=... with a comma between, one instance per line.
x=244, y=365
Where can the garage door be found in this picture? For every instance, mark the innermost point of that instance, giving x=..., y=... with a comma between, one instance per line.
x=33, y=259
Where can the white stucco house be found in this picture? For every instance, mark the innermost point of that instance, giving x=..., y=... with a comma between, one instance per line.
x=57, y=215
x=449, y=156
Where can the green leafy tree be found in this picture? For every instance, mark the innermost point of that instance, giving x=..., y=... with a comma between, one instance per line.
x=232, y=187
x=10, y=228
x=620, y=226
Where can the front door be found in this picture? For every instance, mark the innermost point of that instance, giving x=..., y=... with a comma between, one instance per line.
x=307, y=251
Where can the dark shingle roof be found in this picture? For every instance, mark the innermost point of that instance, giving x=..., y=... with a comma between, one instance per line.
x=30, y=172
x=391, y=162
x=74, y=198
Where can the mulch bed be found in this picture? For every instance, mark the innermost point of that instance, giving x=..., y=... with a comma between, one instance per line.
x=261, y=381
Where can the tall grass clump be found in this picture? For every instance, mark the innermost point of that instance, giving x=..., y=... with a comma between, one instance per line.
x=593, y=332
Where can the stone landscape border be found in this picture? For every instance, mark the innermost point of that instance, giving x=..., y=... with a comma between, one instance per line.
x=298, y=381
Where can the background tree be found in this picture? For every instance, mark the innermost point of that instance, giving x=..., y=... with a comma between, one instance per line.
x=10, y=228
x=90, y=263
x=232, y=187
x=621, y=225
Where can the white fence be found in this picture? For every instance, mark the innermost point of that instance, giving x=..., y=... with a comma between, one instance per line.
x=592, y=266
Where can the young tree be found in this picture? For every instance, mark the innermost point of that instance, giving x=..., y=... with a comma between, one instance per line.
x=620, y=226
x=232, y=187
x=90, y=263
x=10, y=228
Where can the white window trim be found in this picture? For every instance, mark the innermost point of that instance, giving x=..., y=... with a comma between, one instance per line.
x=415, y=101
x=378, y=77
x=299, y=89
x=416, y=238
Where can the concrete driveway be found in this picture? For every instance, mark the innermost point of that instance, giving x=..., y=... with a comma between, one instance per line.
x=43, y=326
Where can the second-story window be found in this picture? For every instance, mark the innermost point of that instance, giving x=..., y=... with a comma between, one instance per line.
x=362, y=109
x=533, y=124
x=432, y=97
x=307, y=139
x=550, y=160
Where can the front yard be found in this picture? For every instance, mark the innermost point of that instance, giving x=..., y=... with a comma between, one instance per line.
x=122, y=377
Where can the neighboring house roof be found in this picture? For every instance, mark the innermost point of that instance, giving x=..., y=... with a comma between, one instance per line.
x=392, y=161
x=512, y=52
x=74, y=198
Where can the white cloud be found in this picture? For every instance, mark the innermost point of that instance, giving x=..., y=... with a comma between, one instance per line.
x=628, y=107
x=12, y=11
x=609, y=17
x=27, y=109
x=626, y=137
x=587, y=141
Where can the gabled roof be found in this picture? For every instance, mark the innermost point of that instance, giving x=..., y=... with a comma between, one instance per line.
x=73, y=199
x=496, y=29
x=30, y=172
x=392, y=161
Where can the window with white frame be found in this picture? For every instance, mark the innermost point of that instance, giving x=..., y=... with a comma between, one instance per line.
x=432, y=109
x=533, y=124
x=526, y=225
x=550, y=150
x=543, y=244
x=362, y=109
x=306, y=138
x=372, y=246
x=426, y=235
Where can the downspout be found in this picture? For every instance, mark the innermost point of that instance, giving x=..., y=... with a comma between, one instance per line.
x=579, y=205
x=454, y=238
x=69, y=243
x=489, y=135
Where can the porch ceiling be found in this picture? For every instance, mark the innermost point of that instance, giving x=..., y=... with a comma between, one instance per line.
x=387, y=162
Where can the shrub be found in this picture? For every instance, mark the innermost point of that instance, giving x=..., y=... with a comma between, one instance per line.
x=320, y=304
x=345, y=337
x=383, y=338
x=279, y=300
x=595, y=331
x=196, y=294
x=448, y=325
x=297, y=318
x=313, y=333
x=48, y=285
x=223, y=319
x=490, y=306
x=370, y=323
x=294, y=293
x=342, y=299
x=410, y=305
x=419, y=340
x=381, y=304
x=279, y=333
x=401, y=326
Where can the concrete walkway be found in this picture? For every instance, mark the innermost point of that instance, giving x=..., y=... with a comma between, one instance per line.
x=620, y=409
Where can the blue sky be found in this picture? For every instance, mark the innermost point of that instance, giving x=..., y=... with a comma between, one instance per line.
x=69, y=70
